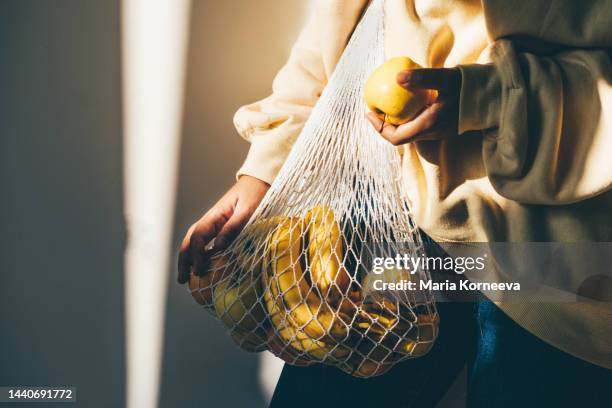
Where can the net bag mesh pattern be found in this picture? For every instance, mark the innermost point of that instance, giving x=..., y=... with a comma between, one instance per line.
x=299, y=279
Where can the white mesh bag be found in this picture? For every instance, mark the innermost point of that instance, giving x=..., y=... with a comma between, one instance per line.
x=299, y=279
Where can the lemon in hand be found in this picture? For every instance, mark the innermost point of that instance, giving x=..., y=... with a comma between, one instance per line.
x=387, y=99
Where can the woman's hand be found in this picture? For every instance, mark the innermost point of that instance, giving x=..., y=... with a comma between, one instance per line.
x=439, y=120
x=222, y=223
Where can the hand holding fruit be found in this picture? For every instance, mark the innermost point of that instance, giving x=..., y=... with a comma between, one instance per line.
x=395, y=92
x=222, y=223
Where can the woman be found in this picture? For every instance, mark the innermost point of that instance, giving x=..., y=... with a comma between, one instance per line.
x=515, y=149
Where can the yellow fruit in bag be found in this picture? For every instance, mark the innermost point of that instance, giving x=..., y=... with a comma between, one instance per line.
x=237, y=305
x=285, y=282
x=325, y=253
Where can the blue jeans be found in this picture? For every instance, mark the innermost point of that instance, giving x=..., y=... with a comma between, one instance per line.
x=507, y=368
x=510, y=367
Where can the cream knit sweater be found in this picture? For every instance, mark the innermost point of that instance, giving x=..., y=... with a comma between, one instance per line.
x=533, y=161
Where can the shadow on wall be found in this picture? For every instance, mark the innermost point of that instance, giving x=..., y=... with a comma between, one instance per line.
x=63, y=235
x=235, y=49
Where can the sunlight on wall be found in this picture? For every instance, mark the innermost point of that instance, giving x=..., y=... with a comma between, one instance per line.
x=270, y=368
x=154, y=46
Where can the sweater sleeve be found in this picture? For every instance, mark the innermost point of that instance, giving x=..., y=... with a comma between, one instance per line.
x=547, y=122
x=272, y=124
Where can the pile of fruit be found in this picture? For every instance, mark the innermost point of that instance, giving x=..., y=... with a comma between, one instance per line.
x=294, y=294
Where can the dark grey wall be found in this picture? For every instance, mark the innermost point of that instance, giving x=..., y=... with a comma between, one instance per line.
x=62, y=231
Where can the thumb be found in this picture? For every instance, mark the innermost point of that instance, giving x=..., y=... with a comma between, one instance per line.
x=230, y=230
x=440, y=79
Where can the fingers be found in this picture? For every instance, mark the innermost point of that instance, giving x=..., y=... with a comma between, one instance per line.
x=193, y=253
x=427, y=122
x=424, y=125
x=440, y=79
x=199, y=245
x=377, y=122
x=184, y=263
x=386, y=129
x=231, y=229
